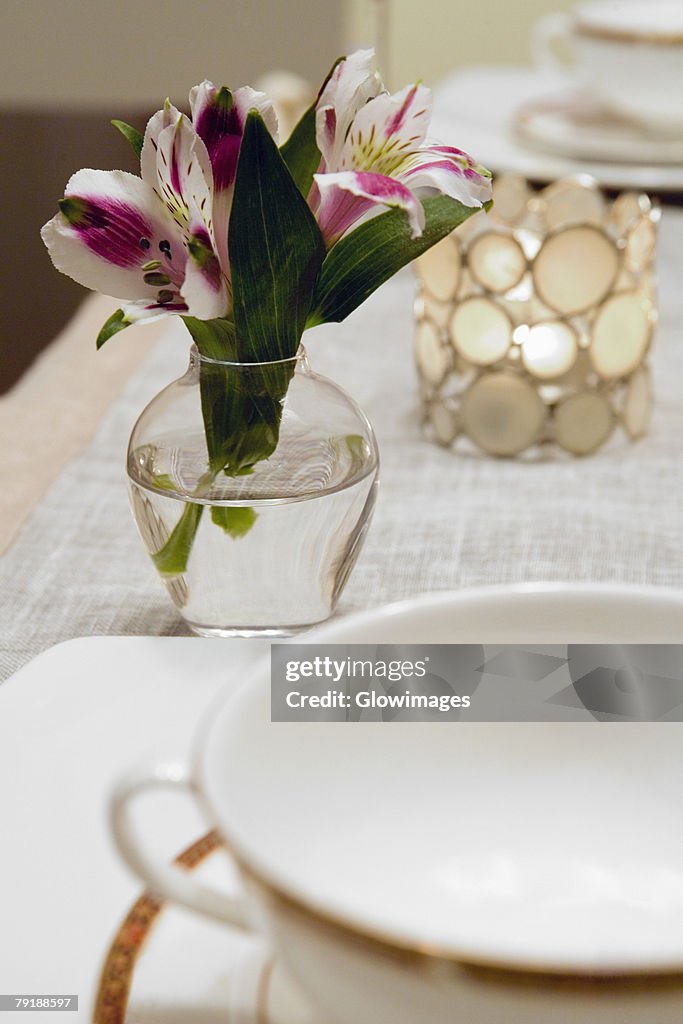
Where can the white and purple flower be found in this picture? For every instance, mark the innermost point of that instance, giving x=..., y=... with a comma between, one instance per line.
x=160, y=241
x=374, y=154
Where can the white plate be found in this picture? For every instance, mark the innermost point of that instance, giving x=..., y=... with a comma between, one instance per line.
x=572, y=125
x=476, y=109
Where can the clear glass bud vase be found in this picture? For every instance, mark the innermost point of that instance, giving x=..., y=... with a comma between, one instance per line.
x=252, y=486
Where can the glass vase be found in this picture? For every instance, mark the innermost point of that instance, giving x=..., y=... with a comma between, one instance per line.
x=252, y=486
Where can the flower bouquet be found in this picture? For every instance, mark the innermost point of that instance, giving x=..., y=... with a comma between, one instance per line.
x=251, y=244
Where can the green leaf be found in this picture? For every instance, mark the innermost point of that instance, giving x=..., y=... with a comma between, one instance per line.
x=242, y=408
x=116, y=322
x=300, y=152
x=236, y=521
x=135, y=137
x=241, y=402
x=276, y=250
x=367, y=257
x=164, y=482
x=172, y=558
x=215, y=339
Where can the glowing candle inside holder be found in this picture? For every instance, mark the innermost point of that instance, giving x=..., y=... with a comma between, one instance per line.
x=534, y=324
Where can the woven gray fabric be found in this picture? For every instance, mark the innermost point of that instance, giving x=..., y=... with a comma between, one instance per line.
x=442, y=521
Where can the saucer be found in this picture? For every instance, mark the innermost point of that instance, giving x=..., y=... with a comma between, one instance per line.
x=71, y=722
x=573, y=125
x=477, y=109
x=164, y=965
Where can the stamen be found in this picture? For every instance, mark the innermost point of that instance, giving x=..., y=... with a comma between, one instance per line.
x=151, y=265
x=165, y=296
x=155, y=278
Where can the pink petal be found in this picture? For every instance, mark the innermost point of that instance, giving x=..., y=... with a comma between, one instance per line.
x=220, y=126
x=219, y=117
x=111, y=228
x=145, y=312
x=205, y=288
x=184, y=179
x=461, y=156
x=185, y=187
x=347, y=196
x=353, y=82
x=164, y=118
x=387, y=130
x=432, y=171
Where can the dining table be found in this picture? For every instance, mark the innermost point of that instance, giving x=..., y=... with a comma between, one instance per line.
x=127, y=677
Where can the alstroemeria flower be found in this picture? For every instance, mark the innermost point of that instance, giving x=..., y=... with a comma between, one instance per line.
x=374, y=153
x=160, y=242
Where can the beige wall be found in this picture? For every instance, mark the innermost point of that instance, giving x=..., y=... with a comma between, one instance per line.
x=134, y=52
x=429, y=39
x=97, y=53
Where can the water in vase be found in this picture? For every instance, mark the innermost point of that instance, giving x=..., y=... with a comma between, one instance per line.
x=267, y=552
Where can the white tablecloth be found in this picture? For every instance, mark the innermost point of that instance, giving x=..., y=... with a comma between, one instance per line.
x=442, y=521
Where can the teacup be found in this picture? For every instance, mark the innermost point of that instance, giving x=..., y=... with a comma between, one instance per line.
x=405, y=873
x=628, y=52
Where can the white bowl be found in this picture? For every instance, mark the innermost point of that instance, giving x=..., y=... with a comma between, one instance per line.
x=415, y=872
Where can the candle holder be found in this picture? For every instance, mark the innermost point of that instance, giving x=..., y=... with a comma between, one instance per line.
x=534, y=324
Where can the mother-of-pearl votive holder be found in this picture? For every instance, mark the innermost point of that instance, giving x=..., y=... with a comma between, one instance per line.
x=534, y=323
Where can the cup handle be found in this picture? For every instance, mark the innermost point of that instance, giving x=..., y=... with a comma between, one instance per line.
x=546, y=32
x=165, y=880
